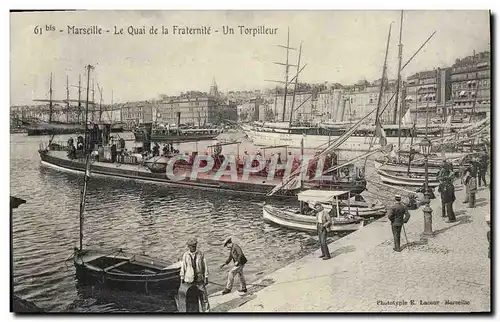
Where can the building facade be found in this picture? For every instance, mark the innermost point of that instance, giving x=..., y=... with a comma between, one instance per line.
x=134, y=114
x=358, y=101
x=471, y=85
x=304, y=107
x=429, y=91
x=195, y=111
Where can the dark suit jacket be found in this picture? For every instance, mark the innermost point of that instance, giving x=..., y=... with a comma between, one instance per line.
x=448, y=193
x=236, y=254
x=398, y=214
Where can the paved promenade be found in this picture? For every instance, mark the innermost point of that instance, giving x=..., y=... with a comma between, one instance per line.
x=449, y=272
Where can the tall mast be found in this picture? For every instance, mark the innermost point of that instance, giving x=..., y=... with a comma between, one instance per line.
x=295, y=88
x=50, y=99
x=287, y=65
x=89, y=67
x=87, y=159
x=67, y=99
x=93, y=99
x=397, y=89
x=79, y=96
x=275, y=103
x=286, y=73
x=381, y=92
x=384, y=71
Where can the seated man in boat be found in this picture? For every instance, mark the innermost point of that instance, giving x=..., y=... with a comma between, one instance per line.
x=194, y=271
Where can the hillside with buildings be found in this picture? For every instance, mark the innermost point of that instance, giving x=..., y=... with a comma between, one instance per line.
x=460, y=90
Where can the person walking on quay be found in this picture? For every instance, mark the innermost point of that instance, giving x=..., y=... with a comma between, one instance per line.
x=239, y=260
x=194, y=271
x=323, y=224
x=398, y=215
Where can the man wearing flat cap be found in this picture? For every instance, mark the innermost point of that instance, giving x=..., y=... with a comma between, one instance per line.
x=398, y=215
x=323, y=224
x=194, y=271
x=239, y=259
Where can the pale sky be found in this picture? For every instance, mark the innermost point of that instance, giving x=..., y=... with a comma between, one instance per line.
x=338, y=46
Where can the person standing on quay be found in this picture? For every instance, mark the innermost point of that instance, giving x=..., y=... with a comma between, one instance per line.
x=239, y=259
x=441, y=190
x=448, y=198
x=323, y=224
x=398, y=215
x=471, y=189
x=194, y=271
x=482, y=168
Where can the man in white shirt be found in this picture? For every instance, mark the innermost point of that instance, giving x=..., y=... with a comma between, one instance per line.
x=194, y=271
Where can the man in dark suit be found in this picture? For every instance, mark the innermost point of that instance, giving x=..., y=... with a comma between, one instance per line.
x=239, y=259
x=398, y=214
x=448, y=196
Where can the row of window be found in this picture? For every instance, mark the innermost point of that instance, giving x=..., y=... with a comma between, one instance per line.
x=471, y=84
x=459, y=69
x=480, y=74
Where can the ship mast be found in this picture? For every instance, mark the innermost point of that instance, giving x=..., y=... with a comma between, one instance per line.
x=381, y=92
x=87, y=159
x=295, y=89
x=93, y=99
x=50, y=99
x=79, y=96
x=286, y=72
x=67, y=99
x=397, y=89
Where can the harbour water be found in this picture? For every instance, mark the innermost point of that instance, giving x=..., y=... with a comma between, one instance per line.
x=135, y=217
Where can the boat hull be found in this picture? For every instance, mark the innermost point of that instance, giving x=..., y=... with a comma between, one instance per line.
x=393, y=179
x=353, y=143
x=55, y=130
x=139, y=136
x=256, y=186
x=303, y=223
x=89, y=271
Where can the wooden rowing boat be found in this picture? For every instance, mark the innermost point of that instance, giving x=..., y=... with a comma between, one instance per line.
x=292, y=220
x=121, y=270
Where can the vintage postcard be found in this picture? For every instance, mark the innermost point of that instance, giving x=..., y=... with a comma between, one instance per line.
x=250, y=161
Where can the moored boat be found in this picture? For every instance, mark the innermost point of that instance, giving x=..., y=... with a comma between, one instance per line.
x=121, y=270
x=181, y=135
x=399, y=179
x=255, y=185
x=343, y=221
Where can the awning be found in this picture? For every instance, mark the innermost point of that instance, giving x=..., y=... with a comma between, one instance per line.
x=408, y=98
x=469, y=82
x=462, y=93
x=482, y=64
